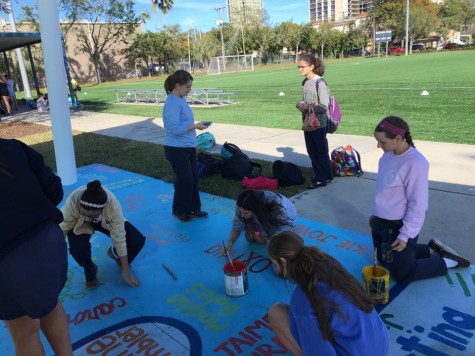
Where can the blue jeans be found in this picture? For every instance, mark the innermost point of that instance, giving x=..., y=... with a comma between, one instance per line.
x=185, y=166
x=413, y=263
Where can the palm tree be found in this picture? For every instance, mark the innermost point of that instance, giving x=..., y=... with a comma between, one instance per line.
x=164, y=6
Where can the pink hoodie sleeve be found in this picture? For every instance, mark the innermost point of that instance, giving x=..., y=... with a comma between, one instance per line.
x=417, y=193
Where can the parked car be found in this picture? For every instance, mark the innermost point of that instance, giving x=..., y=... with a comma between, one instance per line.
x=395, y=50
x=459, y=42
x=418, y=47
x=450, y=46
x=358, y=52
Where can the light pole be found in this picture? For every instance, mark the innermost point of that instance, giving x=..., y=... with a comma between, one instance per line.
x=19, y=55
x=243, y=43
x=189, y=51
x=219, y=22
x=407, y=27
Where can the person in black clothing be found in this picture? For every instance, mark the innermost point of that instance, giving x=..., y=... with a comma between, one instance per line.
x=33, y=252
x=4, y=94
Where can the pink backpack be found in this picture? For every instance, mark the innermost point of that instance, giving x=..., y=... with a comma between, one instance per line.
x=334, y=112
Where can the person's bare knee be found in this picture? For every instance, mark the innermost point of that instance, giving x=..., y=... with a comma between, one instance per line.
x=56, y=329
x=279, y=313
x=23, y=327
x=25, y=333
x=279, y=320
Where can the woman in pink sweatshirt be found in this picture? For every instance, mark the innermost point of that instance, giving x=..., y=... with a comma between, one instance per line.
x=399, y=206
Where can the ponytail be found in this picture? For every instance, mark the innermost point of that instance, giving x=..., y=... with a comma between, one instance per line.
x=308, y=265
x=179, y=77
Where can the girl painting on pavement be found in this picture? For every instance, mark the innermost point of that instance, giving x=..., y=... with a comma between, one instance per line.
x=329, y=312
x=261, y=214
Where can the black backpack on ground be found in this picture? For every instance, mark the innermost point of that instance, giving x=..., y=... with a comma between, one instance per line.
x=209, y=163
x=237, y=164
x=287, y=173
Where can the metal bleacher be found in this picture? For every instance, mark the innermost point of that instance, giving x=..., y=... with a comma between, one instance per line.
x=208, y=96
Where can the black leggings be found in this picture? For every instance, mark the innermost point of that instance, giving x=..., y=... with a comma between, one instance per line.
x=80, y=246
x=317, y=149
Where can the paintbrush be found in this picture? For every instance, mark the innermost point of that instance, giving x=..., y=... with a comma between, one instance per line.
x=229, y=257
x=170, y=272
x=374, y=263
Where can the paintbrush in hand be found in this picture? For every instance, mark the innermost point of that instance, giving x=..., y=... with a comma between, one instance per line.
x=229, y=257
x=375, y=261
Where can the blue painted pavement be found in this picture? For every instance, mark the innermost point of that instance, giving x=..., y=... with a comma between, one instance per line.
x=192, y=315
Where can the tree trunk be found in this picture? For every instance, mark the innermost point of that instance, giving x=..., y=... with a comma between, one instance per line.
x=97, y=70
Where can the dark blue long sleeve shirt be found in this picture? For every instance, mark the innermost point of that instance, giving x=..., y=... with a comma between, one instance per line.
x=29, y=193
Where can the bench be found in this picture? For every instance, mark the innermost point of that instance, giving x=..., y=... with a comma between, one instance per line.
x=207, y=96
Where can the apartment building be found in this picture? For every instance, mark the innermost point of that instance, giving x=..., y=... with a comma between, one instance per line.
x=337, y=10
x=245, y=10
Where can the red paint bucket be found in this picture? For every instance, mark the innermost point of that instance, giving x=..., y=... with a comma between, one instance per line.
x=235, y=280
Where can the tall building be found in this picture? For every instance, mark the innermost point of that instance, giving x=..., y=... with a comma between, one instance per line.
x=245, y=10
x=336, y=10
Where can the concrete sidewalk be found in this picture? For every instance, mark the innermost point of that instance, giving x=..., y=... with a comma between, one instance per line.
x=345, y=203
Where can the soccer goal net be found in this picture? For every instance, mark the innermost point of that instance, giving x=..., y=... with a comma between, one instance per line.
x=227, y=64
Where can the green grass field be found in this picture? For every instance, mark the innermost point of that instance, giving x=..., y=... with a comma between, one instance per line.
x=368, y=89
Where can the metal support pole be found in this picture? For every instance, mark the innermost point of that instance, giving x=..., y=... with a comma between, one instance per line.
x=59, y=110
x=407, y=27
x=33, y=69
x=19, y=55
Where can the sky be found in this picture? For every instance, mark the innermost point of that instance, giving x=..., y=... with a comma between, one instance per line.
x=201, y=14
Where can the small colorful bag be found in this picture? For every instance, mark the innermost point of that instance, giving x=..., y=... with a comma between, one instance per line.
x=346, y=161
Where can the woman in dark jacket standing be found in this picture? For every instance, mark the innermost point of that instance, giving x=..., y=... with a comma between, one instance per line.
x=33, y=253
x=316, y=94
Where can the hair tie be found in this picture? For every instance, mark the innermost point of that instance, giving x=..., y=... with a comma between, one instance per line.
x=299, y=252
x=390, y=128
x=94, y=196
x=92, y=205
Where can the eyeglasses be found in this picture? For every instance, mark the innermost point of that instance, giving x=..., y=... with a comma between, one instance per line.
x=301, y=67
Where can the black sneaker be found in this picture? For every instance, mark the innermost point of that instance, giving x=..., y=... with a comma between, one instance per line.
x=93, y=283
x=183, y=217
x=199, y=214
x=316, y=185
x=445, y=251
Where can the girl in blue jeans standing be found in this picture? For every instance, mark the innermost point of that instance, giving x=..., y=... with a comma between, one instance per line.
x=399, y=206
x=180, y=146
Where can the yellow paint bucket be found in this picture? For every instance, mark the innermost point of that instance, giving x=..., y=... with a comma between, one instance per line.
x=376, y=283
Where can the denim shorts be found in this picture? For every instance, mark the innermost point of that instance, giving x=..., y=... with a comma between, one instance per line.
x=33, y=274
